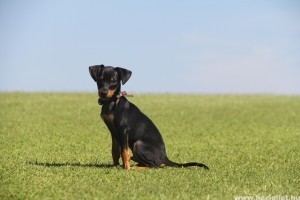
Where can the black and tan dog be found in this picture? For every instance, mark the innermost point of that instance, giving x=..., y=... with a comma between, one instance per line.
x=129, y=127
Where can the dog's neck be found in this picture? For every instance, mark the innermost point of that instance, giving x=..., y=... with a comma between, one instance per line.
x=110, y=103
x=114, y=100
x=107, y=101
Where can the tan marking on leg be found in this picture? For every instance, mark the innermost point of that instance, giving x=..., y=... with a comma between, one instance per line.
x=162, y=165
x=125, y=158
x=125, y=154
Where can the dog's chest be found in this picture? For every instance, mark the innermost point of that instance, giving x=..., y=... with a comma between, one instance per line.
x=108, y=117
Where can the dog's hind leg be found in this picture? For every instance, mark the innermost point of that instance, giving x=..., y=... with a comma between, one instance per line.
x=145, y=155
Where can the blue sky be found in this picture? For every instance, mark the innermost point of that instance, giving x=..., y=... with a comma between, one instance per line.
x=171, y=46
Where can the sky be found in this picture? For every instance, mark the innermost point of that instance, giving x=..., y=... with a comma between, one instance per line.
x=171, y=46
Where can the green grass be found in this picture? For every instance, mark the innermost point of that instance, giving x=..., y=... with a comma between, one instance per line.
x=55, y=146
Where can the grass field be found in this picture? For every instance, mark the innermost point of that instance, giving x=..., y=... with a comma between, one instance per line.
x=55, y=146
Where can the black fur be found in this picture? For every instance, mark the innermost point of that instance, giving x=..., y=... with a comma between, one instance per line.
x=129, y=127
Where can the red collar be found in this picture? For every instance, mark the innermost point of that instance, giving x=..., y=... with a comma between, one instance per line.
x=124, y=93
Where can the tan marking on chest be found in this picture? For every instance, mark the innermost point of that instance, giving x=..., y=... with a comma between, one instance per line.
x=108, y=117
x=111, y=93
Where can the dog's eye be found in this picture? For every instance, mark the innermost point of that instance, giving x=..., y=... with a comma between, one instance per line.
x=114, y=82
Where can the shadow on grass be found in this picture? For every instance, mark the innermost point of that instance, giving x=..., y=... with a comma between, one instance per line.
x=57, y=164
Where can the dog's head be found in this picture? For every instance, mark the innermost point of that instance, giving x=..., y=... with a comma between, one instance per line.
x=109, y=79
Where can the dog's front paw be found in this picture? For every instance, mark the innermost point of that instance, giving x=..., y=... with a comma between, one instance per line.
x=116, y=164
x=126, y=166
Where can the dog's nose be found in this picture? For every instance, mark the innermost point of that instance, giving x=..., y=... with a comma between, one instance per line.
x=103, y=91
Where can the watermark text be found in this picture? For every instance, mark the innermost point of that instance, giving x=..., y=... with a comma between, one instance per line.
x=268, y=197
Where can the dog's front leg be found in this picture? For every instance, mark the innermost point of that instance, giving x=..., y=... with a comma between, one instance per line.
x=125, y=150
x=115, y=151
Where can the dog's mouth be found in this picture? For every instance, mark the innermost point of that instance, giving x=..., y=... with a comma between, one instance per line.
x=106, y=95
x=103, y=96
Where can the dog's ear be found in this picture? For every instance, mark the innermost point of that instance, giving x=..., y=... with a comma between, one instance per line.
x=95, y=71
x=124, y=74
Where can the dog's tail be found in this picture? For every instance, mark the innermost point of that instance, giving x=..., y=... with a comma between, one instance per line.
x=170, y=163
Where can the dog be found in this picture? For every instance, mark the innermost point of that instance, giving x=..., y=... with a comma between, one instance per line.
x=129, y=127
